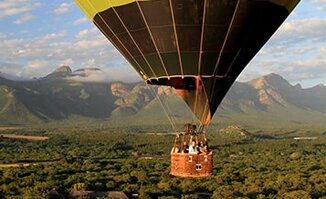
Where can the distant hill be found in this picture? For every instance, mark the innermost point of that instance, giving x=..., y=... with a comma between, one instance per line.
x=269, y=101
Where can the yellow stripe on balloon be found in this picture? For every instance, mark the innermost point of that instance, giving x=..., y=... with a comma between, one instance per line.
x=92, y=7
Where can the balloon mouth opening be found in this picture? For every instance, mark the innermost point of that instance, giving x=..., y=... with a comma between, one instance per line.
x=178, y=82
x=192, y=91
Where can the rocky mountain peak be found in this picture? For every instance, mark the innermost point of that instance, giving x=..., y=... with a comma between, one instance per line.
x=271, y=80
x=165, y=90
x=58, y=98
x=270, y=88
x=298, y=86
x=61, y=72
x=63, y=69
x=119, y=89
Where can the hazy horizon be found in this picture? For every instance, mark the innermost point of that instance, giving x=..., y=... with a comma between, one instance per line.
x=37, y=37
x=104, y=76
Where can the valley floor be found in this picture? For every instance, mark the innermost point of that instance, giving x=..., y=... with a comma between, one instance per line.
x=87, y=161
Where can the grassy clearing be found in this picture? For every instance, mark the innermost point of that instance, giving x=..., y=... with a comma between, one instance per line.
x=17, y=165
x=4, y=128
x=24, y=137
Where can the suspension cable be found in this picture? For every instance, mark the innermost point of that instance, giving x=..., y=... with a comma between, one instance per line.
x=155, y=95
x=172, y=116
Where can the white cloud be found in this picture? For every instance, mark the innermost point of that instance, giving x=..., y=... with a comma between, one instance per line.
x=126, y=74
x=54, y=35
x=62, y=9
x=321, y=52
x=90, y=63
x=87, y=33
x=304, y=70
x=9, y=67
x=45, y=53
x=11, y=43
x=13, y=11
x=17, y=71
x=3, y=35
x=321, y=4
x=294, y=69
x=24, y=31
x=12, y=71
x=301, y=31
x=37, y=64
x=15, y=7
x=90, y=44
x=293, y=52
x=23, y=19
x=297, y=52
x=67, y=62
x=81, y=21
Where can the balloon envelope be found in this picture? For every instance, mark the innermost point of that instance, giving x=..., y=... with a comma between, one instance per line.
x=199, y=47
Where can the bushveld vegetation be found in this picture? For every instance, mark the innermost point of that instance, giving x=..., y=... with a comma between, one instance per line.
x=134, y=162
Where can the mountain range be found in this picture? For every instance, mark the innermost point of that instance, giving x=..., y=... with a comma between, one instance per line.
x=268, y=101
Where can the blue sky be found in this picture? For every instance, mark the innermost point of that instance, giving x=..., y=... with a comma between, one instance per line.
x=38, y=36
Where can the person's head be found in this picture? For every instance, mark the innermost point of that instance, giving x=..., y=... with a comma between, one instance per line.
x=193, y=143
x=205, y=147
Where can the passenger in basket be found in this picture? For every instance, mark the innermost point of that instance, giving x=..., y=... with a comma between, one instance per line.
x=175, y=150
x=193, y=147
x=185, y=148
x=199, y=149
x=205, y=149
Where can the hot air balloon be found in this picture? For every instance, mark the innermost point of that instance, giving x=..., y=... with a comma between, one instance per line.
x=198, y=47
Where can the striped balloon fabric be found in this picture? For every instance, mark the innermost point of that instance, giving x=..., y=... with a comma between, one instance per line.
x=199, y=47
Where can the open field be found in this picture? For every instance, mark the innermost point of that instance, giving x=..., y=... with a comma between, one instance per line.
x=4, y=128
x=17, y=165
x=247, y=165
x=25, y=137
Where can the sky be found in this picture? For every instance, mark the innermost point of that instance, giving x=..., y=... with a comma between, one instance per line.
x=38, y=36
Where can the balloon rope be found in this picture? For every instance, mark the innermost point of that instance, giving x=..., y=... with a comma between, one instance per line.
x=114, y=44
x=176, y=37
x=153, y=92
x=200, y=58
x=173, y=119
x=152, y=38
x=226, y=37
x=202, y=36
x=171, y=116
x=223, y=46
x=132, y=38
x=155, y=95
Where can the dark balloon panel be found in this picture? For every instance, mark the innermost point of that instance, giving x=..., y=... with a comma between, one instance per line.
x=157, y=13
x=199, y=47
